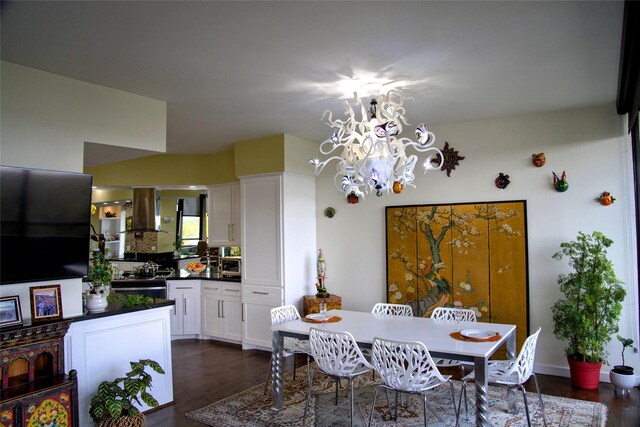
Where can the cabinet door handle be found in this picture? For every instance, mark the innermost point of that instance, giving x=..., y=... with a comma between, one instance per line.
x=233, y=290
x=219, y=309
x=211, y=289
x=185, y=306
x=261, y=293
x=222, y=309
x=243, y=312
x=184, y=287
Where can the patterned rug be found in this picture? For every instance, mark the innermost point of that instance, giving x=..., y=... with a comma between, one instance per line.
x=253, y=408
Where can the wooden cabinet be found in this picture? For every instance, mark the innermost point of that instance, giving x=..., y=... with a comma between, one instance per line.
x=224, y=215
x=186, y=314
x=222, y=314
x=311, y=303
x=35, y=390
x=278, y=249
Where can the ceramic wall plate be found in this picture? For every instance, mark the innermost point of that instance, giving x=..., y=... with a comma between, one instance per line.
x=478, y=334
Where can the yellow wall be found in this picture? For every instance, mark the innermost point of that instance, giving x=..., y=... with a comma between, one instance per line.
x=271, y=154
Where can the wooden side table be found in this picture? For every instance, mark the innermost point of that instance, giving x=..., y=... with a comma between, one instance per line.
x=311, y=303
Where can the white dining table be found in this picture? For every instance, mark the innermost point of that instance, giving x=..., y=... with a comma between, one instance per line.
x=435, y=334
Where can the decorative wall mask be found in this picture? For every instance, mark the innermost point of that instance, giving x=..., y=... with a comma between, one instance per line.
x=502, y=181
x=606, y=198
x=538, y=160
x=561, y=183
x=329, y=212
x=451, y=159
x=352, y=198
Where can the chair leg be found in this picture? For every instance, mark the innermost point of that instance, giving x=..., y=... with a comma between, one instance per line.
x=463, y=391
x=395, y=416
x=373, y=404
x=308, y=401
x=337, y=382
x=266, y=385
x=453, y=396
x=544, y=417
x=526, y=405
x=424, y=408
x=352, y=393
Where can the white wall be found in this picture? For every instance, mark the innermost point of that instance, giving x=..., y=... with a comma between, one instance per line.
x=590, y=144
x=47, y=118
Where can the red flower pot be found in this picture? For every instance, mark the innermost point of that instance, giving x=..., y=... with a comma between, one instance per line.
x=585, y=375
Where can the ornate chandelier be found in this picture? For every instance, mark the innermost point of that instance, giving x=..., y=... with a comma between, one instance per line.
x=373, y=157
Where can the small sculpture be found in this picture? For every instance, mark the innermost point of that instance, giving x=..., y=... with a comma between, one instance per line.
x=502, y=181
x=538, y=160
x=451, y=159
x=606, y=199
x=322, y=268
x=561, y=183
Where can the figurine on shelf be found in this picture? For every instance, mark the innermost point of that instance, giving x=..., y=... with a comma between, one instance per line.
x=606, y=198
x=561, y=183
x=322, y=268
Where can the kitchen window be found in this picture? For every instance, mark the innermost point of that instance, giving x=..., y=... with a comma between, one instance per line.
x=191, y=218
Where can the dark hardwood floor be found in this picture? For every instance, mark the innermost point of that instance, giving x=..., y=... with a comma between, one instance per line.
x=207, y=371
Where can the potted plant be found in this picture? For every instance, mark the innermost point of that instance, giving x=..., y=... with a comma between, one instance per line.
x=101, y=273
x=621, y=376
x=589, y=312
x=177, y=245
x=113, y=405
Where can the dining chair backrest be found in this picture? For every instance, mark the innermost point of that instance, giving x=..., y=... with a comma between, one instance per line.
x=382, y=309
x=450, y=313
x=283, y=314
x=404, y=365
x=336, y=353
x=522, y=366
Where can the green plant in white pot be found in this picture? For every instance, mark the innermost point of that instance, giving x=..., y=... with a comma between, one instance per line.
x=621, y=376
x=588, y=314
x=101, y=273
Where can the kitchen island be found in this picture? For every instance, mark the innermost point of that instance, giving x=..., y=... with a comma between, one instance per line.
x=99, y=346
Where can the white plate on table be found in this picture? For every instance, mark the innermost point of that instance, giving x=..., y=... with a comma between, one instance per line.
x=318, y=316
x=478, y=334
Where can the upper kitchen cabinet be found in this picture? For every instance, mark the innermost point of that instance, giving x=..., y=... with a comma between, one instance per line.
x=224, y=215
x=112, y=226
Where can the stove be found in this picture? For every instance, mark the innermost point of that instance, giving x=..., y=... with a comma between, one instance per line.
x=154, y=287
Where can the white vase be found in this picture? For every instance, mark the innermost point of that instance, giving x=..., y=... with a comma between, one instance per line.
x=96, y=303
x=622, y=382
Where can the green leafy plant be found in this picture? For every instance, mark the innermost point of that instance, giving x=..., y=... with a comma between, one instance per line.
x=115, y=399
x=588, y=314
x=626, y=342
x=130, y=300
x=101, y=270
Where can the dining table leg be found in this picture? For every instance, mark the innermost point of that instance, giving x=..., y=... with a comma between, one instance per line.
x=277, y=370
x=482, y=392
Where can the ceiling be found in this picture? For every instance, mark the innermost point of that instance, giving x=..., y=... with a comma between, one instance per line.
x=232, y=71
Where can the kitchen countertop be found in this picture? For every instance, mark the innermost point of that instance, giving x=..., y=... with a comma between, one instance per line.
x=205, y=275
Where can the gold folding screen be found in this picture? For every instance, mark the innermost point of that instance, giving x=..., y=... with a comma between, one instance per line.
x=471, y=255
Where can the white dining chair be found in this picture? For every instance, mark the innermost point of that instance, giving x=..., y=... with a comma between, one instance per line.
x=512, y=373
x=406, y=367
x=337, y=355
x=292, y=346
x=457, y=315
x=383, y=309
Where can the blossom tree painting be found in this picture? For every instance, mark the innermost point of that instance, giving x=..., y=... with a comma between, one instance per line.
x=470, y=255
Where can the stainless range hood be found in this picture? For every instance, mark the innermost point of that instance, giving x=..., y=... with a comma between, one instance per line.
x=144, y=209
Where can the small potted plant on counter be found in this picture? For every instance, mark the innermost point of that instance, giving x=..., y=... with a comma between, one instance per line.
x=101, y=273
x=113, y=405
x=177, y=246
x=621, y=376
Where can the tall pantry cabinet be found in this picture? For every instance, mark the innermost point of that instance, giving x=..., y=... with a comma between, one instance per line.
x=278, y=248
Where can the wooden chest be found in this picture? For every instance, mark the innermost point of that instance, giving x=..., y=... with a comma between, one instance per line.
x=311, y=303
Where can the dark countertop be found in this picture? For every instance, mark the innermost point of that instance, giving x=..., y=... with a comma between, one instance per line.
x=163, y=257
x=115, y=309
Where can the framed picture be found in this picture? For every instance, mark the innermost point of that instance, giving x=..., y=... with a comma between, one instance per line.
x=46, y=303
x=10, y=313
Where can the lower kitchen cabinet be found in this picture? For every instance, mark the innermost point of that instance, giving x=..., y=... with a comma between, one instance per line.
x=186, y=315
x=222, y=315
x=258, y=302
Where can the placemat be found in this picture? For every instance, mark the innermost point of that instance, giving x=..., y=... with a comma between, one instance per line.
x=332, y=319
x=459, y=337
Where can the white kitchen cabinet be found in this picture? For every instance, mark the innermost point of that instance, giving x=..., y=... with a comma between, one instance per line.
x=113, y=230
x=222, y=310
x=278, y=248
x=224, y=215
x=186, y=315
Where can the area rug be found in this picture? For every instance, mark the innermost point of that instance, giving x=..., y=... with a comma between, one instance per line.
x=253, y=408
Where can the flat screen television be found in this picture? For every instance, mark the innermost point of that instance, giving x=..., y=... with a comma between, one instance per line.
x=44, y=224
